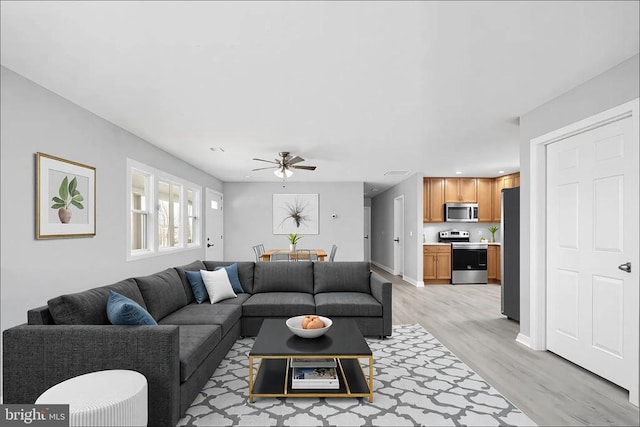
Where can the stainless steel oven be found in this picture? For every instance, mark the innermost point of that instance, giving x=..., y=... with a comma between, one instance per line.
x=468, y=263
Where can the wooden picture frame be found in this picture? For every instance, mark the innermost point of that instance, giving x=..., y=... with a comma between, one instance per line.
x=65, y=198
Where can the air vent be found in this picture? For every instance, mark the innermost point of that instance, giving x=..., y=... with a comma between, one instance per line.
x=396, y=173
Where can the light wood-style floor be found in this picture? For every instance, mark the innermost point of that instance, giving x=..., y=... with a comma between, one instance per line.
x=548, y=388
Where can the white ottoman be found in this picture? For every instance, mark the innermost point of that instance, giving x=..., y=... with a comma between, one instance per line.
x=103, y=398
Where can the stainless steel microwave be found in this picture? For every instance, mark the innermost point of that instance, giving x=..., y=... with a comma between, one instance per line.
x=461, y=212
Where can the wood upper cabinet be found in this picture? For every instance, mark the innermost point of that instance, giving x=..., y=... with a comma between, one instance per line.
x=433, y=204
x=507, y=181
x=485, y=199
x=436, y=264
x=460, y=190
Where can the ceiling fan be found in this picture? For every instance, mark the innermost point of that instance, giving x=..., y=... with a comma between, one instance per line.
x=285, y=164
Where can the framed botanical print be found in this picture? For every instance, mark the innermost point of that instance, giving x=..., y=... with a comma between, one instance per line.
x=65, y=198
x=295, y=213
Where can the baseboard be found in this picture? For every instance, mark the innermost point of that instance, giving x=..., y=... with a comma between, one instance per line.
x=524, y=340
x=414, y=282
x=384, y=267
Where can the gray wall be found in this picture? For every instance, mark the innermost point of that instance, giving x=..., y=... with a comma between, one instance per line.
x=33, y=271
x=611, y=88
x=382, y=227
x=248, y=218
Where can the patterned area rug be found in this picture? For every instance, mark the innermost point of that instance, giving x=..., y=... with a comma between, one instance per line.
x=417, y=381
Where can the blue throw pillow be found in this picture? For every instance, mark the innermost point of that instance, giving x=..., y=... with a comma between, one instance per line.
x=197, y=286
x=232, y=272
x=125, y=311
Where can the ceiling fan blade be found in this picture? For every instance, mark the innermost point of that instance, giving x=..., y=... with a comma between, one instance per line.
x=270, y=167
x=267, y=161
x=295, y=159
x=309, y=168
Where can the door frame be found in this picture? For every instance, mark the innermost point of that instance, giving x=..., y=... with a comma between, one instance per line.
x=399, y=220
x=206, y=221
x=367, y=215
x=537, y=339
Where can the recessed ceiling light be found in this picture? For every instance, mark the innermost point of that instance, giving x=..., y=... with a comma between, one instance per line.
x=458, y=172
x=217, y=149
x=373, y=190
x=500, y=171
x=248, y=176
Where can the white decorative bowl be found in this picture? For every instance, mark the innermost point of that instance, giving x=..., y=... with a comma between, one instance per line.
x=295, y=325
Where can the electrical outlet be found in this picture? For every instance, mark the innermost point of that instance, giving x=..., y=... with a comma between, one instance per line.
x=480, y=233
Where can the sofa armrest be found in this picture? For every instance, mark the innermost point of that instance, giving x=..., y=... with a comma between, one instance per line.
x=36, y=357
x=381, y=290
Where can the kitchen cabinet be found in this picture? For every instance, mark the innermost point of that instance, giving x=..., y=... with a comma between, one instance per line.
x=493, y=251
x=507, y=181
x=433, y=203
x=436, y=264
x=498, y=266
x=485, y=199
x=460, y=190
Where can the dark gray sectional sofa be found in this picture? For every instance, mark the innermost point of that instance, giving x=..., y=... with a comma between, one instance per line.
x=72, y=335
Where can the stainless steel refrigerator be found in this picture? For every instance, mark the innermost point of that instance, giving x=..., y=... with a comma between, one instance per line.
x=510, y=252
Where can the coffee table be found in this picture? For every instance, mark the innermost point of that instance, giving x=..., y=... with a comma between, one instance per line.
x=275, y=346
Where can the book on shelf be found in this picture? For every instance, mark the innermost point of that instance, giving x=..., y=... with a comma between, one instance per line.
x=301, y=362
x=315, y=378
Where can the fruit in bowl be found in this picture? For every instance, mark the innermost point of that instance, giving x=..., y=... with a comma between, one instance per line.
x=309, y=326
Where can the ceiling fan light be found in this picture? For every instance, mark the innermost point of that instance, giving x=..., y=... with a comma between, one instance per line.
x=282, y=172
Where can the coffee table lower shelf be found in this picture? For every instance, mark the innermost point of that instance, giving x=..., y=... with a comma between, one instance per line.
x=273, y=380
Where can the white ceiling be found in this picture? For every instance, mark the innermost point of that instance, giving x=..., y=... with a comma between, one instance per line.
x=356, y=88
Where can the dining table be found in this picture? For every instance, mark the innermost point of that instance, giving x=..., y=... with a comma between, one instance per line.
x=294, y=256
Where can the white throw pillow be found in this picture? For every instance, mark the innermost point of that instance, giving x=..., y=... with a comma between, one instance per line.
x=217, y=284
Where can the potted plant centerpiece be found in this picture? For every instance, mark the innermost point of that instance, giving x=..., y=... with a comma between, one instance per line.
x=493, y=230
x=293, y=240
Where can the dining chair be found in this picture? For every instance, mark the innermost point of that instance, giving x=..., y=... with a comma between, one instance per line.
x=258, y=250
x=332, y=255
x=280, y=257
x=306, y=255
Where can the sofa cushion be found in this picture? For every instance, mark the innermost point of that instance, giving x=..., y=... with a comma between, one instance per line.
x=162, y=292
x=218, y=285
x=279, y=304
x=245, y=271
x=232, y=272
x=205, y=314
x=197, y=286
x=125, y=311
x=235, y=301
x=194, y=266
x=283, y=277
x=342, y=277
x=90, y=307
x=196, y=342
x=347, y=304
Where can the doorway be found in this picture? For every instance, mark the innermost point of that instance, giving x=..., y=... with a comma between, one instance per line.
x=367, y=233
x=398, y=235
x=583, y=293
x=214, y=242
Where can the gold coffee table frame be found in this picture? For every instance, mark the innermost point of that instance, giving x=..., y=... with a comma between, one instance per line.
x=345, y=389
x=276, y=346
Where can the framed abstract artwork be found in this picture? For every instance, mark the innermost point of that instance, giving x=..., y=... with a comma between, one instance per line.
x=295, y=213
x=65, y=198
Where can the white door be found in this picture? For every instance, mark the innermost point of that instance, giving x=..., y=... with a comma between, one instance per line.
x=367, y=233
x=214, y=236
x=592, y=229
x=398, y=235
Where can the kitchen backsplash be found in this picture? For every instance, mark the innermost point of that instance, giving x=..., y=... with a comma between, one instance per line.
x=474, y=228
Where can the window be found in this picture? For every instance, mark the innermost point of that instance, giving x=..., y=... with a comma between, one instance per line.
x=139, y=211
x=164, y=212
